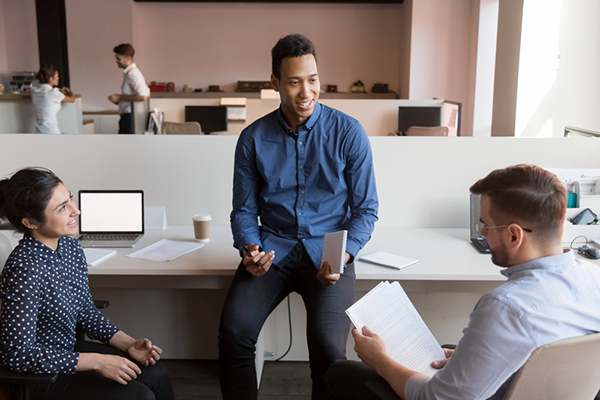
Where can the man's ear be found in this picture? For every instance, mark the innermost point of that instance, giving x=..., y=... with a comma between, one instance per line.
x=516, y=235
x=29, y=224
x=274, y=83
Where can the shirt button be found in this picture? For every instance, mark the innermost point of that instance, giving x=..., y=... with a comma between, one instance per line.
x=300, y=167
x=299, y=213
x=300, y=143
x=302, y=192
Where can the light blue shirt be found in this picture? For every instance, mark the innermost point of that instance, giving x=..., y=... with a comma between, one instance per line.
x=544, y=300
x=303, y=186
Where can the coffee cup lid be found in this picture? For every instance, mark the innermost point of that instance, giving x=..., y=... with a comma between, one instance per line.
x=202, y=217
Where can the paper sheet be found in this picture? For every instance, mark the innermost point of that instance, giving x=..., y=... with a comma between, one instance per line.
x=388, y=312
x=165, y=250
x=96, y=256
x=388, y=259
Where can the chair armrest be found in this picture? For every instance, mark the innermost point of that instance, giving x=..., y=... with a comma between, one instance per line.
x=101, y=304
x=26, y=378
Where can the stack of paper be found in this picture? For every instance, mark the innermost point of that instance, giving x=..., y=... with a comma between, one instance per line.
x=96, y=256
x=387, y=311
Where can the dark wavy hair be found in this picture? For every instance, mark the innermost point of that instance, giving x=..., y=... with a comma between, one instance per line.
x=290, y=46
x=527, y=195
x=26, y=194
x=124, y=49
x=45, y=73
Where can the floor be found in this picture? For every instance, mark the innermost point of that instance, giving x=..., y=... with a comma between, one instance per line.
x=199, y=380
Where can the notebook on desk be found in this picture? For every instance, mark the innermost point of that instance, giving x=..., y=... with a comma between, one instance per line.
x=478, y=241
x=111, y=218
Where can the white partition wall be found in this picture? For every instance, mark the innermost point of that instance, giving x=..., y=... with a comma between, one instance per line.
x=422, y=182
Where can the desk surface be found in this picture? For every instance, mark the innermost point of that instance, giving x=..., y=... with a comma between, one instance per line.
x=444, y=254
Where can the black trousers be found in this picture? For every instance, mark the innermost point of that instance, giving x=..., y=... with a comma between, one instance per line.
x=126, y=124
x=154, y=383
x=249, y=302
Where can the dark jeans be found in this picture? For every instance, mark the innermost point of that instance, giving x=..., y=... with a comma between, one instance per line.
x=349, y=380
x=125, y=124
x=153, y=383
x=250, y=301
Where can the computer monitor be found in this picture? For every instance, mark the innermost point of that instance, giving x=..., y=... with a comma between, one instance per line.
x=418, y=116
x=211, y=118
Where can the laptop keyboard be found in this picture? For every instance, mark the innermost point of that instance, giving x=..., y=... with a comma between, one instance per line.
x=481, y=244
x=102, y=236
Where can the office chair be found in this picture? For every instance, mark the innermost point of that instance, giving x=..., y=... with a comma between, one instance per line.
x=427, y=131
x=565, y=369
x=182, y=128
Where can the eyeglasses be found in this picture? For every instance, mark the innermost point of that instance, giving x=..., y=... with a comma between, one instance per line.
x=480, y=226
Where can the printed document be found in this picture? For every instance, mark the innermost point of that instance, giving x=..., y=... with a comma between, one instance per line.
x=388, y=259
x=388, y=312
x=165, y=250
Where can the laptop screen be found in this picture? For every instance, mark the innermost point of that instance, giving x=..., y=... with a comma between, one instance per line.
x=111, y=211
x=475, y=214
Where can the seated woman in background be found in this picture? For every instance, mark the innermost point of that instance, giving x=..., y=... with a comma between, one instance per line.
x=47, y=99
x=45, y=293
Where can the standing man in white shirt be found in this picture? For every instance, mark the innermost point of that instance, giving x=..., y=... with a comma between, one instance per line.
x=134, y=86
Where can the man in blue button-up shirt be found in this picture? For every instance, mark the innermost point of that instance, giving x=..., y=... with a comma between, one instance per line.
x=303, y=170
x=549, y=295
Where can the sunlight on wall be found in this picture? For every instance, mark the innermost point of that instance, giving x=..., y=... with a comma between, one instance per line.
x=538, y=67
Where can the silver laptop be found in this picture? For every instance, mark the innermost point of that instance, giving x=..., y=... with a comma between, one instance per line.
x=111, y=218
x=478, y=241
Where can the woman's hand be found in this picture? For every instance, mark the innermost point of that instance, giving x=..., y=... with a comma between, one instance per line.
x=144, y=352
x=117, y=368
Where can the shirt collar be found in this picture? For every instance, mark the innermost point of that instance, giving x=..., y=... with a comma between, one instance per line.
x=312, y=120
x=43, y=251
x=126, y=70
x=556, y=262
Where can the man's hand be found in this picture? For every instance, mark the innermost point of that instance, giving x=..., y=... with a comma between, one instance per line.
x=439, y=364
x=114, y=98
x=257, y=263
x=325, y=276
x=144, y=352
x=117, y=368
x=369, y=347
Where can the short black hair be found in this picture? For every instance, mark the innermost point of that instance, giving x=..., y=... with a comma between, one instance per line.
x=124, y=49
x=295, y=45
x=26, y=195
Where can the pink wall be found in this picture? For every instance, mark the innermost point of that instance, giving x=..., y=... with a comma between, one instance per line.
x=442, y=32
x=3, y=61
x=19, y=49
x=94, y=28
x=201, y=44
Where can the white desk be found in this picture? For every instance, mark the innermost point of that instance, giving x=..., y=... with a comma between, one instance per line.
x=160, y=300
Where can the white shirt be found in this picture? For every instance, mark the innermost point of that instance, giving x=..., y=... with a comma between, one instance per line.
x=543, y=300
x=133, y=83
x=46, y=103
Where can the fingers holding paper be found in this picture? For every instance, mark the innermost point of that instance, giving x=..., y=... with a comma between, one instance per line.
x=439, y=364
x=257, y=262
x=369, y=347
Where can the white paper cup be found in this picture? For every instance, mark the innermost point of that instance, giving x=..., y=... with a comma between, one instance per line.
x=202, y=227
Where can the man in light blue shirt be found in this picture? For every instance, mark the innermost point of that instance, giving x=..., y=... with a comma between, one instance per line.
x=304, y=170
x=549, y=295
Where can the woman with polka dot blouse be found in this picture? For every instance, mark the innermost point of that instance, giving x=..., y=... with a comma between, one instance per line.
x=45, y=293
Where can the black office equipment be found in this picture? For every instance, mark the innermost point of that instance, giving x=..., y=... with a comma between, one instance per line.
x=478, y=241
x=418, y=116
x=211, y=118
x=253, y=86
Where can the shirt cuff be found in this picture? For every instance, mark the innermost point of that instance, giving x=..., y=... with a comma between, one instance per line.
x=413, y=386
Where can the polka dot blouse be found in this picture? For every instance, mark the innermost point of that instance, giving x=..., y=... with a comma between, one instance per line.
x=45, y=294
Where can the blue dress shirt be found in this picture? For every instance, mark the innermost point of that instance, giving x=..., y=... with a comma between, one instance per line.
x=544, y=300
x=45, y=293
x=303, y=186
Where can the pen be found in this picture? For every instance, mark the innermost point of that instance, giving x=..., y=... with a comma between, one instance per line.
x=247, y=251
